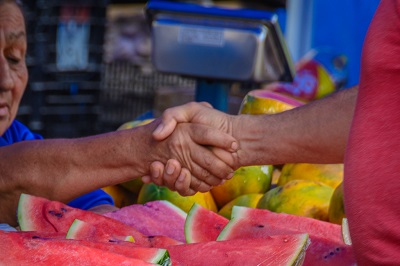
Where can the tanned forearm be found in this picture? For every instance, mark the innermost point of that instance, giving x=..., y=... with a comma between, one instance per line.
x=64, y=169
x=314, y=133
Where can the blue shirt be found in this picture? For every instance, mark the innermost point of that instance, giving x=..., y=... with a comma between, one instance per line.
x=18, y=132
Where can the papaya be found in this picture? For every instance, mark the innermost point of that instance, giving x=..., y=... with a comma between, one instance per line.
x=267, y=102
x=299, y=197
x=336, y=206
x=245, y=180
x=246, y=200
x=150, y=192
x=329, y=174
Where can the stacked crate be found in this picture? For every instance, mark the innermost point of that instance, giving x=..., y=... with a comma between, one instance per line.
x=65, y=62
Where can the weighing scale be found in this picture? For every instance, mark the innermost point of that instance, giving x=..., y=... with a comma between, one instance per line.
x=217, y=46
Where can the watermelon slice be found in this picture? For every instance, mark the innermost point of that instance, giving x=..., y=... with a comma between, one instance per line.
x=44, y=251
x=128, y=249
x=312, y=226
x=274, y=250
x=159, y=217
x=257, y=223
x=203, y=225
x=81, y=230
x=42, y=215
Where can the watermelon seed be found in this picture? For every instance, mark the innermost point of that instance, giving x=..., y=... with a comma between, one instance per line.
x=260, y=226
x=285, y=240
x=57, y=214
x=64, y=209
x=35, y=237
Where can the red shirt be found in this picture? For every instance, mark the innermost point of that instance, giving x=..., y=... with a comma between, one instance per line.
x=372, y=161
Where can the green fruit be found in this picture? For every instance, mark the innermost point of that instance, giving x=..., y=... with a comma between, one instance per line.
x=151, y=192
x=246, y=200
x=248, y=179
x=336, y=206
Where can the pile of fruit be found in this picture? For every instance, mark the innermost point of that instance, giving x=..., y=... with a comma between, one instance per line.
x=309, y=190
x=287, y=214
x=159, y=233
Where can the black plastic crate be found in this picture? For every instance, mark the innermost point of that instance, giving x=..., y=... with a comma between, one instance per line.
x=69, y=39
x=128, y=91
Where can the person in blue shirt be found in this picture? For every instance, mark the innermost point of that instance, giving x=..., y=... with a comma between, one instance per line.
x=70, y=170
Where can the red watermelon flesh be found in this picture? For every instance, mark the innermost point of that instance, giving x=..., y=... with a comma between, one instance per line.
x=203, y=225
x=42, y=215
x=159, y=217
x=322, y=250
x=81, y=230
x=304, y=224
x=128, y=249
x=275, y=250
x=37, y=251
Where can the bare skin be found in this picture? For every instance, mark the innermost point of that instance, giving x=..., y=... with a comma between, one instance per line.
x=314, y=133
x=63, y=169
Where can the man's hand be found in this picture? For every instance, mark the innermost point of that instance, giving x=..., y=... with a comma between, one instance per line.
x=194, y=112
x=173, y=175
x=189, y=145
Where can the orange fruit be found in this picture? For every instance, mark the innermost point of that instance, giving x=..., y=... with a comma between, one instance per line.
x=247, y=179
x=246, y=200
x=329, y=174
x=299, y=197
x=151, y=192
x=267, y=102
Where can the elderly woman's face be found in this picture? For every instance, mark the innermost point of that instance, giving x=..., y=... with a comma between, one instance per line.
x=13, y=71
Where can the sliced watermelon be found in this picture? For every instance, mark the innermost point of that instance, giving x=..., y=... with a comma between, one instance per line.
x=275, y=250
x=128, y=249
x=159, y=217
x=42, y=215
x=312, y=226
x=203, y=225
x=256, y=223
x=81, y=230
x=45, y=251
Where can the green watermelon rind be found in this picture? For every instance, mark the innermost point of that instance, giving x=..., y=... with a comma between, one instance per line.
x=175, y=208
x=195, y=235
x=297, y=259
x=161, y=257
x=24, y=208
x=74, y=229
x=189, y=223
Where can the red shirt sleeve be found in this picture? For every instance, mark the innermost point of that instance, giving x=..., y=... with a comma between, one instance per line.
x=372, y=161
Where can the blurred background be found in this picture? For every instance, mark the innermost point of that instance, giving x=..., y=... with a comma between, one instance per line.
x=90, y=66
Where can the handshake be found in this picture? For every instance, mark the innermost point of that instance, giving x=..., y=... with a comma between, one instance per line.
x=201, y=147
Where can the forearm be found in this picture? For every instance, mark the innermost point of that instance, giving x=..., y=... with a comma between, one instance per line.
x=67, y=168
x=314, y=133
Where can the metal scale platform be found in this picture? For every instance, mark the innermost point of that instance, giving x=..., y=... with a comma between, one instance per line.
x=217, y=46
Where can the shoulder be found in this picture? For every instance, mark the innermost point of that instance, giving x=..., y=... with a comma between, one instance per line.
x=17, y=132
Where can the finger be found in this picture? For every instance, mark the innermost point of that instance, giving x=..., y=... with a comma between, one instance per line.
x=205, y=135
x=174, y=115
x=156, y=173
x=206, y=166
x=198, y=185
x=228, y=157
x=146, y=179
x=182, y=184
x=171, y=173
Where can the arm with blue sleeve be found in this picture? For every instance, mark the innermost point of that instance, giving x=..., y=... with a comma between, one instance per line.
x=19, y=132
